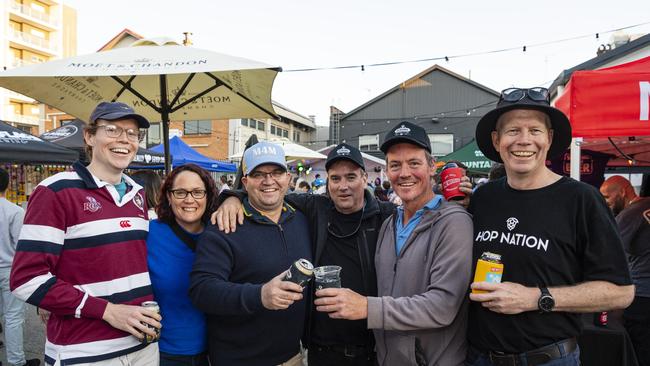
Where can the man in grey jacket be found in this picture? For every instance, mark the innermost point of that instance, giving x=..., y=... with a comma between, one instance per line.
x=423, y=263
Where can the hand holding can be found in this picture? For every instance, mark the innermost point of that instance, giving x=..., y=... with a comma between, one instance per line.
x=300, y=272
x=146, y=338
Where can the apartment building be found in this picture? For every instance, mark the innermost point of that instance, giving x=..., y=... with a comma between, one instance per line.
x=35, y=31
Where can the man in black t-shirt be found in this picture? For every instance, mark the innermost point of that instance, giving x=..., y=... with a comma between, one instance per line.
x=557, y=241
x=633, y=219
x=344, y=225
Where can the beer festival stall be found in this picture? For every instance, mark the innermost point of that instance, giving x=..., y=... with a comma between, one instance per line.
x=609, y=110
x=29, y=160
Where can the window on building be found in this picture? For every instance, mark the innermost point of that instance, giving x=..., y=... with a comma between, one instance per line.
x=296, y=136
x=244, y=122
x=368, y=142
x=37, y=33
x=64, y=122
x=197, y=127
x=285, y=133
x=154, y=134
x=279, y=131
x=261, y=125
x=272, y=129
x=441, y=144
x=24, y=128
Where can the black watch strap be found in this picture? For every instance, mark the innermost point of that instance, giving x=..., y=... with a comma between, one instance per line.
x=546, y=301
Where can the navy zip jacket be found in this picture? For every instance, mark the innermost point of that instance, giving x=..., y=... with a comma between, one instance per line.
x=226, y=283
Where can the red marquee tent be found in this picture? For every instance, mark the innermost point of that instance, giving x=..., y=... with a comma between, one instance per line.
x=611, y=103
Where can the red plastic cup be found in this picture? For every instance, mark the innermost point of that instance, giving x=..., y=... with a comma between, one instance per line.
x=450, y=179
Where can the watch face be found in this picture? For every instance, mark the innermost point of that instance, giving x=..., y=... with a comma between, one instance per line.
x=546, y=303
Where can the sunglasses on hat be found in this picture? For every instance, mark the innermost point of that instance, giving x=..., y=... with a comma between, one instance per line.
x=537, y=94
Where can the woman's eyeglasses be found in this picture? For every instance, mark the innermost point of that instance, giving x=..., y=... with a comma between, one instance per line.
x=537, y=94
x=182, y=194
x=131, y=134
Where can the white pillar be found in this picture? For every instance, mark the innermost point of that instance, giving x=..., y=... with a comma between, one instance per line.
x=575, y=157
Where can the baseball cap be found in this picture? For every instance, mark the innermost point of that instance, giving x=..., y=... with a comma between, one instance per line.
x=409, y=133
x=112, y=111
x=263, y=153
x=344, y=152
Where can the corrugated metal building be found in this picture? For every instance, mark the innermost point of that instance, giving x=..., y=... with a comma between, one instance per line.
x=446, y=104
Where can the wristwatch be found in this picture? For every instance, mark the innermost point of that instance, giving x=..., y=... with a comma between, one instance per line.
x=546, y=301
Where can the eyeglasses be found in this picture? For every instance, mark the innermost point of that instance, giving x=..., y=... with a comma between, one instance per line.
x=115, y=132
x=258, y=175
x=538, y=94
x=182, y=194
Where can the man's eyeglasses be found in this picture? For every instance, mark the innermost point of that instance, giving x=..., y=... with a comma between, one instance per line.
x=182, y=194
x=538, y=94
x=258, y=175
x=131, y=134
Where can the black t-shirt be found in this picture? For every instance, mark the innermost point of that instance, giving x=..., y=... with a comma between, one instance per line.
x=634, y=223
x=559, y=235
x=342, y=251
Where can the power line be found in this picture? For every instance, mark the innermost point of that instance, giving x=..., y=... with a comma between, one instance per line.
x=522, y=48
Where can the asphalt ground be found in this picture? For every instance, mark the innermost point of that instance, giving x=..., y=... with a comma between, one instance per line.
x=34, y=336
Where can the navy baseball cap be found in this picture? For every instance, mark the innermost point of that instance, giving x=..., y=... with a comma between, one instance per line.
x=263, y=153
x=409, y=133
x=111, y=111
x=344, y=152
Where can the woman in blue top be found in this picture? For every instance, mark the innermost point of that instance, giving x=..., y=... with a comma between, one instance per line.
x=186, y=199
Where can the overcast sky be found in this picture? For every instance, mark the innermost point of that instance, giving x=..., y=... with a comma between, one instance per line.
x=306, y=34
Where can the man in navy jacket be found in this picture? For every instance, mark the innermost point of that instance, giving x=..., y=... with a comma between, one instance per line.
x=254, y=318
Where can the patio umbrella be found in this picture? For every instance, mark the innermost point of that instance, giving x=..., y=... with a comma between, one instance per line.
x=292, y=151
x=18, y=146
x=160, y=79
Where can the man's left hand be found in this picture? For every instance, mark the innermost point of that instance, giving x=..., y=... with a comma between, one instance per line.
x=506, y=297
x=342, y=303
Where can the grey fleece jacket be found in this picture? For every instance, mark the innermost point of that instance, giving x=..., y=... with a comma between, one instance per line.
x=420, y=316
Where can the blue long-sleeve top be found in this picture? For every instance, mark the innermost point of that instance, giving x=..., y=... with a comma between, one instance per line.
x=226, y=283
x=170, y=262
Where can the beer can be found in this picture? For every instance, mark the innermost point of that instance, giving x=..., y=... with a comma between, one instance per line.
x=600, y=319
x=153, y=306
x=488, y=269
x=300, y=272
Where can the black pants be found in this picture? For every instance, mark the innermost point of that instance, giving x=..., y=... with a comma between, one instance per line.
x=322, y=356
x=636, y=319
x=167, y=359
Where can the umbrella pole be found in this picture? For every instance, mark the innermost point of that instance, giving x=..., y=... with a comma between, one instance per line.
x=165, y=121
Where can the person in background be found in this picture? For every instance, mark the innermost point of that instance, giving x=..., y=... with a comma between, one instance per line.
x=380, y=194
x=303, y=187
x=82, y=253
x=13, y=309
x=497, y=171
x=186, y=199
x=151, y=183
x=224, y=183
x=319, y=186
x=633, y=219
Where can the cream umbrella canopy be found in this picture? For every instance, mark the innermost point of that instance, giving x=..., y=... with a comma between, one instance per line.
x=160, y=79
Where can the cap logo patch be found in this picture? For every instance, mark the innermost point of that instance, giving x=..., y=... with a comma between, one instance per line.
x=343, y=151
x=264, y=150
x=403, y=130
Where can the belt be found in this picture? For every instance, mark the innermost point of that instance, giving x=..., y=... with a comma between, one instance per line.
x=348, y=350
x=537, y=356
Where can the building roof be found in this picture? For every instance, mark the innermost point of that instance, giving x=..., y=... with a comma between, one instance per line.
x=415, y=79
x=599, y=61
x=285, y=112
x=125, y=33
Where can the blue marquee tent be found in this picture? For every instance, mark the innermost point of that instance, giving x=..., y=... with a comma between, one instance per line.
x=183, y=154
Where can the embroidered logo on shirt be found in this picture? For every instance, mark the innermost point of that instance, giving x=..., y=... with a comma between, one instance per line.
x=403, y=130
x=138, y=201
x=125, y=223
x=92, y=205
x=511, y=223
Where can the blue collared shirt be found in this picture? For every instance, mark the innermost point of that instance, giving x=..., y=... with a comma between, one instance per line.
x=402, y=232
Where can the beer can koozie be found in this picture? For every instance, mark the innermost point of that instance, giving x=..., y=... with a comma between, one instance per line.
x=153, y=306
x=488, y=269
x=300, y=272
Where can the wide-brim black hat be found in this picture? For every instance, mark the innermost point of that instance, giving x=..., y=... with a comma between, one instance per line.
x=559, y=123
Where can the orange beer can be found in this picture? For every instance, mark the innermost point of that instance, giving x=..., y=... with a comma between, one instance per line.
x=488, y=269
